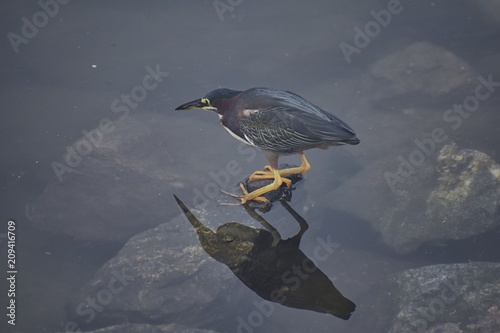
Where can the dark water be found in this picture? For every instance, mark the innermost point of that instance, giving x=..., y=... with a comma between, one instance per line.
x=64, y=76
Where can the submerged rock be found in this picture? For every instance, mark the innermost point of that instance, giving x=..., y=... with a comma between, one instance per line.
x=467, y=195
x=442, y=298
x=146, y=328
x=452, y=196
x=421, y=68
x=160, y=276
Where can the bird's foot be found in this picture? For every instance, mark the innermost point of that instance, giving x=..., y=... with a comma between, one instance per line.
x=244, y=198
x=258, y=175
x=257, y=194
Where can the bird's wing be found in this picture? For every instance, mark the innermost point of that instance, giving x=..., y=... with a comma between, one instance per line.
x=283, y=121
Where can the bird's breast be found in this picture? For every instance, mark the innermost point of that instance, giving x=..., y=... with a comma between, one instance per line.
x=233, y=129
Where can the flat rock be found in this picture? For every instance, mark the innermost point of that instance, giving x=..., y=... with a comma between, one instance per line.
x=442, y=298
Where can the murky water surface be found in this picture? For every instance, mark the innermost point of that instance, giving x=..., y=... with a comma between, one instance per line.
x=93, y=151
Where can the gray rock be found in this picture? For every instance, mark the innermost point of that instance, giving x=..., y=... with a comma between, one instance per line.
x=160, y=276
x=453, y=196
x=442, y=298
x=421, y=68
x=467, y=194
x=145, y=328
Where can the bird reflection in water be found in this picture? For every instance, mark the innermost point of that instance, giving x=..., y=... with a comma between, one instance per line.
x=276, y=269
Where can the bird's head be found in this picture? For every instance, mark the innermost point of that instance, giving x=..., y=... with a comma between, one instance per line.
x=212, y=101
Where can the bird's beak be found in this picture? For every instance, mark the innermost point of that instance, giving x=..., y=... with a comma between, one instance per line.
x=196, y=104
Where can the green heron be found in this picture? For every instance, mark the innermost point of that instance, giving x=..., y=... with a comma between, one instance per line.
x=279, y=123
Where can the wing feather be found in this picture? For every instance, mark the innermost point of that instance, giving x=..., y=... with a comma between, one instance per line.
x=283, y=121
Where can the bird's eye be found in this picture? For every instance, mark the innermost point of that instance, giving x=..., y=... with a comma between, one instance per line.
x=205, y=101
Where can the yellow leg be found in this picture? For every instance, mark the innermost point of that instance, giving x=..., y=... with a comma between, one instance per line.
x=257, y=194
x=262, y=174
x=303, y=168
